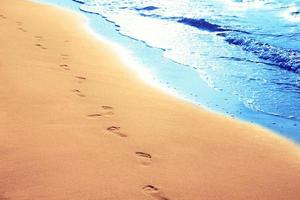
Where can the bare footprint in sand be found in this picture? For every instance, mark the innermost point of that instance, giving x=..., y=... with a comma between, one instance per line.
x=38, y=37
x=154, y=192
x=144, y=158
x=65, y=66
x=107, y=107
x=105, y=112
x=19, y=26
x=116, y=130
x=40, y=45
x=78, y=93
x=100, y=114
x=95, y=115
x=3, y=17
x=64, y=56
x=22, y=29
x=80, y=79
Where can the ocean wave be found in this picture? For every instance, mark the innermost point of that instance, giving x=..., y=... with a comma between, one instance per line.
x=287, y=59
x=148, y=8
x=202, y=24
x=81, y=1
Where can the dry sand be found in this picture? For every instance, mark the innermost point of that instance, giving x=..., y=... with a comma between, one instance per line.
x=75, y=123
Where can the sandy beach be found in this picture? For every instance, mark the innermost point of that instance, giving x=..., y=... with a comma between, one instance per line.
x=76, y=123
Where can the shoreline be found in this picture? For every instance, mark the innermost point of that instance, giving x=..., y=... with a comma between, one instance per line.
x=85, y=127
x=165, y=80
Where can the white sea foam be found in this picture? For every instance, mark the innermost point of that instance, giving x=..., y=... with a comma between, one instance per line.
x=292, y=13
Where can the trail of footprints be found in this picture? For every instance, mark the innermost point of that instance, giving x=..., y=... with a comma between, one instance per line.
x=106, y=111
x=39, y=39
x=144, y=158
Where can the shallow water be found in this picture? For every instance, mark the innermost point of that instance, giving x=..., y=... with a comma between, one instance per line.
x=237, y=57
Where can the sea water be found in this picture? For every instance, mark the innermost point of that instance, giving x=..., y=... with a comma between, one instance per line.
x=240, y=58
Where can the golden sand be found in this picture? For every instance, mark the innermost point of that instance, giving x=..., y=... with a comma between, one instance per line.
x=75, y=123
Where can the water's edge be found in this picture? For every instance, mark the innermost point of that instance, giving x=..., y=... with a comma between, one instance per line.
x=155, y=61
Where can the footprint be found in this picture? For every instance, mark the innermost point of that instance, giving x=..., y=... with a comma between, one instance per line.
x=65, y=66
x=19, y=24
x=100, y=114
x=107, y=107
x=115, y=130
x=95, y=115
x=78, y=93
x=108, y=110
x=80, y=79
x=154, y=192
x=104, y=113
x=40, y=45
x=64, y=56
x=3, y=17
x=144, y=158
x=22, y=29
x=38, y=37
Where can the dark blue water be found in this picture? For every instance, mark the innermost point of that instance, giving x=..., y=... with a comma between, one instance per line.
x=241, y=58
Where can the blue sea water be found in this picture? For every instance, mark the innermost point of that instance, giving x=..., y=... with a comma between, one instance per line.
x=238, y=57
